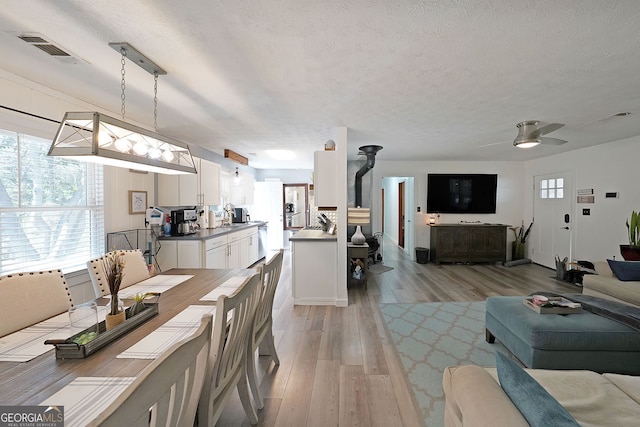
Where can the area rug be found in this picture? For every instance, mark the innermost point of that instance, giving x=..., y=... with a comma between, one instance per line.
x=379, y=268
x=431, y=336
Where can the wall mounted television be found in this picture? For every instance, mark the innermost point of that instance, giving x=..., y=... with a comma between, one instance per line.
x=461, y=193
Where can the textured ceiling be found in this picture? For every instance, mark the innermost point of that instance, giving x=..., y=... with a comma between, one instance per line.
x=428, y=80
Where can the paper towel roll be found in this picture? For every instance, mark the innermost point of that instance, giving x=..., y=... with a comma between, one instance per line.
x=212, y=219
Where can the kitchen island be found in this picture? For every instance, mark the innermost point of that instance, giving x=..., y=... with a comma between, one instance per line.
x=233, y=246
x=314, y=262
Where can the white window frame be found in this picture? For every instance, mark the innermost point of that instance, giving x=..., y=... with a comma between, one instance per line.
x=28, y=239
x=552, y=188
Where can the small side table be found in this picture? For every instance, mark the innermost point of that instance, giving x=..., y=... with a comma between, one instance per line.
x=358, y=252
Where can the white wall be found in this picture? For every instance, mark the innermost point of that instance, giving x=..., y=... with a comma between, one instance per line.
x=605, y=168
x=509, y=198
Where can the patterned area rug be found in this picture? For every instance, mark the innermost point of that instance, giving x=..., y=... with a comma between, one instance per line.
x=431, y=336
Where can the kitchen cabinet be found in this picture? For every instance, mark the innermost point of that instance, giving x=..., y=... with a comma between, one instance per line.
x=254, y=249
x=314, y=268
x=216, y=252
x=189, y=254
x=237, y=191
x=325, y=178
x=167, y=256
x=198, y=189
x=468, y=243
x=179, y=254
x=233, y=250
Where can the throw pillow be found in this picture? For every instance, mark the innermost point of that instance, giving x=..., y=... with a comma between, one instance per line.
x=625, y=270
x=535, y=403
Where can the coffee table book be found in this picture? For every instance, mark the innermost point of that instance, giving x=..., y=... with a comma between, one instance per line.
x=555, y=305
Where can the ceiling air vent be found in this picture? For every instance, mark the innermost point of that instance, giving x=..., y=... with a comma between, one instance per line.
x=48, y=47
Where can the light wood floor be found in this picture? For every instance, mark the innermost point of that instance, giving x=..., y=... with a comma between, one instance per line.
x=338, y=366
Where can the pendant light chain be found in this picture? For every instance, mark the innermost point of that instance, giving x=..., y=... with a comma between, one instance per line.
x=122, y=83
x=155, y=101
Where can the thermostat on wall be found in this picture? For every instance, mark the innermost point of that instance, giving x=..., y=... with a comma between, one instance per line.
x=611, y=195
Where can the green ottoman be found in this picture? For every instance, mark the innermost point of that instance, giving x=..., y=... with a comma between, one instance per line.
x=553, y=341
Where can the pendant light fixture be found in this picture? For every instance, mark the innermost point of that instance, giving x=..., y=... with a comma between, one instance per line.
x=95, y=137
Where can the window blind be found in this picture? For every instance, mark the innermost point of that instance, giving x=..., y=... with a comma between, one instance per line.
x=51, y=209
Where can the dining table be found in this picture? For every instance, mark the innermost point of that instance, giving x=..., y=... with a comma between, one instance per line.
x=33, y=382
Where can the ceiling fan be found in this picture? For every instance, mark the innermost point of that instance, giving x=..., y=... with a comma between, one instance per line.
x=530, y=134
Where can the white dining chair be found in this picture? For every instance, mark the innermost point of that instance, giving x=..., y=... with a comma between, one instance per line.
x=262, y=331
x=29, y=298
x=167, y=391
x=135, y=270
x=227, y=368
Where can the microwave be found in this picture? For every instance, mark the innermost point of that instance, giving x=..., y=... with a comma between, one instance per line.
x=240, y=215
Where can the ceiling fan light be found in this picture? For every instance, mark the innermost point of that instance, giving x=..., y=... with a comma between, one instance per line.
x=526, y=143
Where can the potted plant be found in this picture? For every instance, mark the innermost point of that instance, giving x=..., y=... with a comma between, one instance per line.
x=517, y=247
x=114, y=266
x=631, y=252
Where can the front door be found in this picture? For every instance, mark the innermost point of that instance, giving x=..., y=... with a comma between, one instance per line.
x=551, y=233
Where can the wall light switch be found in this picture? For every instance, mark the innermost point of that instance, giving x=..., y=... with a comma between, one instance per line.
x=586, y=211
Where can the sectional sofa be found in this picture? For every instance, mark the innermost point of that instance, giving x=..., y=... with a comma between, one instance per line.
x=474, y=396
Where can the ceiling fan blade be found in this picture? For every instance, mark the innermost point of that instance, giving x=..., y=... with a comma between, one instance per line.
x=549, y=128
x=493, y=143
x=552, y=141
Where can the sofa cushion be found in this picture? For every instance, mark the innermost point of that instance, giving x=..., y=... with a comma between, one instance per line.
x=537, y=406
x=599, y=401
x=626, y=271
x=474, y=399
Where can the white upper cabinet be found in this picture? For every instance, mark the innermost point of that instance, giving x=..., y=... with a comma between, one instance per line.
x=325, y=181
x=237, y=190
x=198, y=189
x=209, y=182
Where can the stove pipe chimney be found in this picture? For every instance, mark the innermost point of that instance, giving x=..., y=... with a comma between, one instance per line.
x=370, y=151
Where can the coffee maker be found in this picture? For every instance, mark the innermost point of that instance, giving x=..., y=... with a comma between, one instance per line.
x=183, y=222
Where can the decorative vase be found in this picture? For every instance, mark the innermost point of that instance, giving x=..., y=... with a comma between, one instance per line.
x=358, y=238
x=517, y=250
x=113, y=320
x=630, y=253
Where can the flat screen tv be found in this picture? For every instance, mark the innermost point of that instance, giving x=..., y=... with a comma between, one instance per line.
x=461, y=193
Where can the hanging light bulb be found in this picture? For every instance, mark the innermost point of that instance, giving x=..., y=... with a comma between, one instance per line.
x=123, y=145
x=236, y=179
x=167, y=155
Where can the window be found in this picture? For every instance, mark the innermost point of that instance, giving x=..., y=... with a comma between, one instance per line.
x=51, y=209
x=552, y=188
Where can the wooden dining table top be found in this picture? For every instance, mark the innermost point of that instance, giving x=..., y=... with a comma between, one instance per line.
x=29, y=383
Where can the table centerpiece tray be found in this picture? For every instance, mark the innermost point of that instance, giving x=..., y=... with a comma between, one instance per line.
x=553, y=305
x=69, y=349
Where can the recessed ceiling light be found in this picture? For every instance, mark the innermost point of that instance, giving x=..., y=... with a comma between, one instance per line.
x=281, y=154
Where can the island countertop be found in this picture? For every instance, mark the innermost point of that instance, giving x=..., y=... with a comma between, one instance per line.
x=210, y=233
x=312, y=236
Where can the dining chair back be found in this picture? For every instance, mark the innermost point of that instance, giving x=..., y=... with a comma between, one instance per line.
x=167, y=391
x=262, y=331
x=227, y=361
x=29, y=298
x=135, y=270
